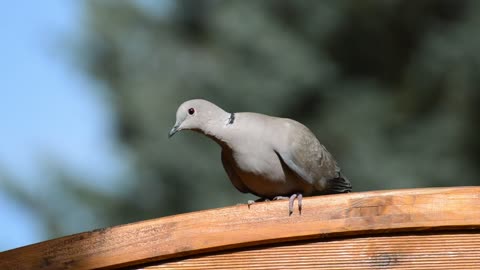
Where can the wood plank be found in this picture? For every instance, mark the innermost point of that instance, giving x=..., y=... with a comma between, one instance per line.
x=238, y=226
x=417, y=251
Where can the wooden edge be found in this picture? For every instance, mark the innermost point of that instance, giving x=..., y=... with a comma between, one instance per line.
x=262, y=223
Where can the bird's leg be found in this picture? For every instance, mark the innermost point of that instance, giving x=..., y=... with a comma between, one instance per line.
x=291, y=200
x=290, y=204
x=299, y=198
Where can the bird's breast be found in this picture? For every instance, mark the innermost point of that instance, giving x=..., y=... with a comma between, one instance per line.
x=258, y=163
x=263, y=174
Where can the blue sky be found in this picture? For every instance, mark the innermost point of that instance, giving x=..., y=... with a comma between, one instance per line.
x=48, y=107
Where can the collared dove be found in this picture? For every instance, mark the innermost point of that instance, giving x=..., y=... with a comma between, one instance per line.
x=270, y=157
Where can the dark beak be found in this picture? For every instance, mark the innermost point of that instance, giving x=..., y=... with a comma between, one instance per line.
x=173, y=131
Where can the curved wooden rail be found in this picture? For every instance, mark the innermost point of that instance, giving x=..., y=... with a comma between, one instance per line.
x=377, y=228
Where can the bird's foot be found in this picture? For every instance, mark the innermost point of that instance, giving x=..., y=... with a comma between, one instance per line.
x=292, y=198
x=250, y=202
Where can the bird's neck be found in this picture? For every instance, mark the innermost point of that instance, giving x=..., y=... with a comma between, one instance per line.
x=218, y=128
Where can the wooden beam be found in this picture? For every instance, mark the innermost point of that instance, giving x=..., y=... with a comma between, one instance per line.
x=413, y=251
x=376, y=212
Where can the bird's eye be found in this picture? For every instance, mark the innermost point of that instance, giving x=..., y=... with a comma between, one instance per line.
x=191, y=111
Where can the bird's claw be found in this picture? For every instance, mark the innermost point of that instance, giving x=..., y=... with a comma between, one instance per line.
x=250, y=202
x=291, y=201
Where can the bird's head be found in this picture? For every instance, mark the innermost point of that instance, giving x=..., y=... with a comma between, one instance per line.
x=195, y=114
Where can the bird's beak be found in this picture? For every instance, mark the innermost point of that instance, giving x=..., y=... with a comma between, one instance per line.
x=173, y=131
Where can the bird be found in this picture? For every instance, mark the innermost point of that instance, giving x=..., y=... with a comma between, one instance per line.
x=270, y=157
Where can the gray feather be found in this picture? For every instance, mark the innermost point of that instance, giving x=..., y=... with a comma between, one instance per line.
x=264, y=155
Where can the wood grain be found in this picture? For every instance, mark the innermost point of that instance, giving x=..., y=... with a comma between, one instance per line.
x=417, y=251
x=226, y=228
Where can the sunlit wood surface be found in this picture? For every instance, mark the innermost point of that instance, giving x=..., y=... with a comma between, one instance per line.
x=434, y=228
x=417, y=251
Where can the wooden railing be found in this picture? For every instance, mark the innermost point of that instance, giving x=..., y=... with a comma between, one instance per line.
x=433, y=228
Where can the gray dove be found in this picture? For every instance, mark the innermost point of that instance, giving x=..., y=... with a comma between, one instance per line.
x=270, y=157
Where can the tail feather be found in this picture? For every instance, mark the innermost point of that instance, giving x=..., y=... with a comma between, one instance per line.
x=341, y=184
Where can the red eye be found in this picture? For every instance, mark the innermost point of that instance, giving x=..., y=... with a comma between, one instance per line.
x=191, y=111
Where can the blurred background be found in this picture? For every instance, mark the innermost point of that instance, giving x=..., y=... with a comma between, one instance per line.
x=89, y=91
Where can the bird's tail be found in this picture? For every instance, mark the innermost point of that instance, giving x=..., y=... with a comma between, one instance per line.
x=340, y=184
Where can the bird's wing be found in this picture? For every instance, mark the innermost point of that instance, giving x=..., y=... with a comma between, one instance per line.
x=232, y=174
x=311, y=161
